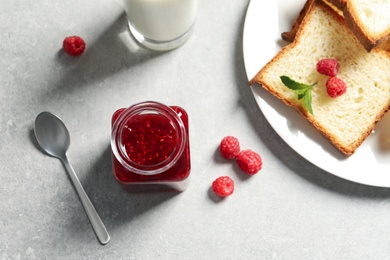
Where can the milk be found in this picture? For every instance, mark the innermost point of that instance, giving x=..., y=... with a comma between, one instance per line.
x=161, y=20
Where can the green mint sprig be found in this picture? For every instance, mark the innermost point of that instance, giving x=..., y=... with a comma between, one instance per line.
x=303, y=91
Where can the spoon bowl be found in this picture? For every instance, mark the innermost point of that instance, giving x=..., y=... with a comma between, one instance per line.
x=52, y=134
x=53, y=137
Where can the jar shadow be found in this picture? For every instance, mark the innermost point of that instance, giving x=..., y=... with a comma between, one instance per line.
x=116, y=204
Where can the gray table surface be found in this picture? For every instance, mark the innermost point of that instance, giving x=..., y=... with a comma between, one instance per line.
x=290, y=210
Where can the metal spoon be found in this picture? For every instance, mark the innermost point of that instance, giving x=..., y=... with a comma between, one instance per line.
x=53, y=137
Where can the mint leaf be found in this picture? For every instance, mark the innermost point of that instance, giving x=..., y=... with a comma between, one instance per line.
x=307, y=101
x=303, y=91
x=292, y=84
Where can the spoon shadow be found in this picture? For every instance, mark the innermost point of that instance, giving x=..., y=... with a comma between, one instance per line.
x=117, y=204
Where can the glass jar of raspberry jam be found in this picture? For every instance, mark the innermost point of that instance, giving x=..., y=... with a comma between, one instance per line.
x=150, y=146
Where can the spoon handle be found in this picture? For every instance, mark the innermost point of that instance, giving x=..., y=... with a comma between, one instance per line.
x=96, y=222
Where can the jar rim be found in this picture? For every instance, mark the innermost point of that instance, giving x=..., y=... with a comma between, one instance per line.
x=135, y=110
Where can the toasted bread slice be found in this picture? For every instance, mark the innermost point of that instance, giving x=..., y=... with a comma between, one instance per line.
x=289, y=36
x=369, y=20
x=346, y=121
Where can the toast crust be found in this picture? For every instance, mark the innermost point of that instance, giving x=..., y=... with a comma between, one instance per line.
x=290, y=35
x=338, y=4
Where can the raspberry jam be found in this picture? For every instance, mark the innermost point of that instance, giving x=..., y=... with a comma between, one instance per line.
x=150, y=145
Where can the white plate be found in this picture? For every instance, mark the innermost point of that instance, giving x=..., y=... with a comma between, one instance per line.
x=370, y=165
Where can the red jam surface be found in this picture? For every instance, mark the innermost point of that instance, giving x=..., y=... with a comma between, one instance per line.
x=148, y=140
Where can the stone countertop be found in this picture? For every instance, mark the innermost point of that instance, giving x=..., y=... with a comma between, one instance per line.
x=290, y=210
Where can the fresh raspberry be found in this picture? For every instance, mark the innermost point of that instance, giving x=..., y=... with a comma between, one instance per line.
x=249, y=162
x=73, y=45
x=223, y=186
x=335, y=87
x=229, y=147
x=328, y=67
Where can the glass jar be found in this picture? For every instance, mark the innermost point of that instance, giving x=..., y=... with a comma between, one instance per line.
x=150, y=146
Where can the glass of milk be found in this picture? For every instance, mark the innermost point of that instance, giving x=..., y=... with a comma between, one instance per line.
x=161, y=24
